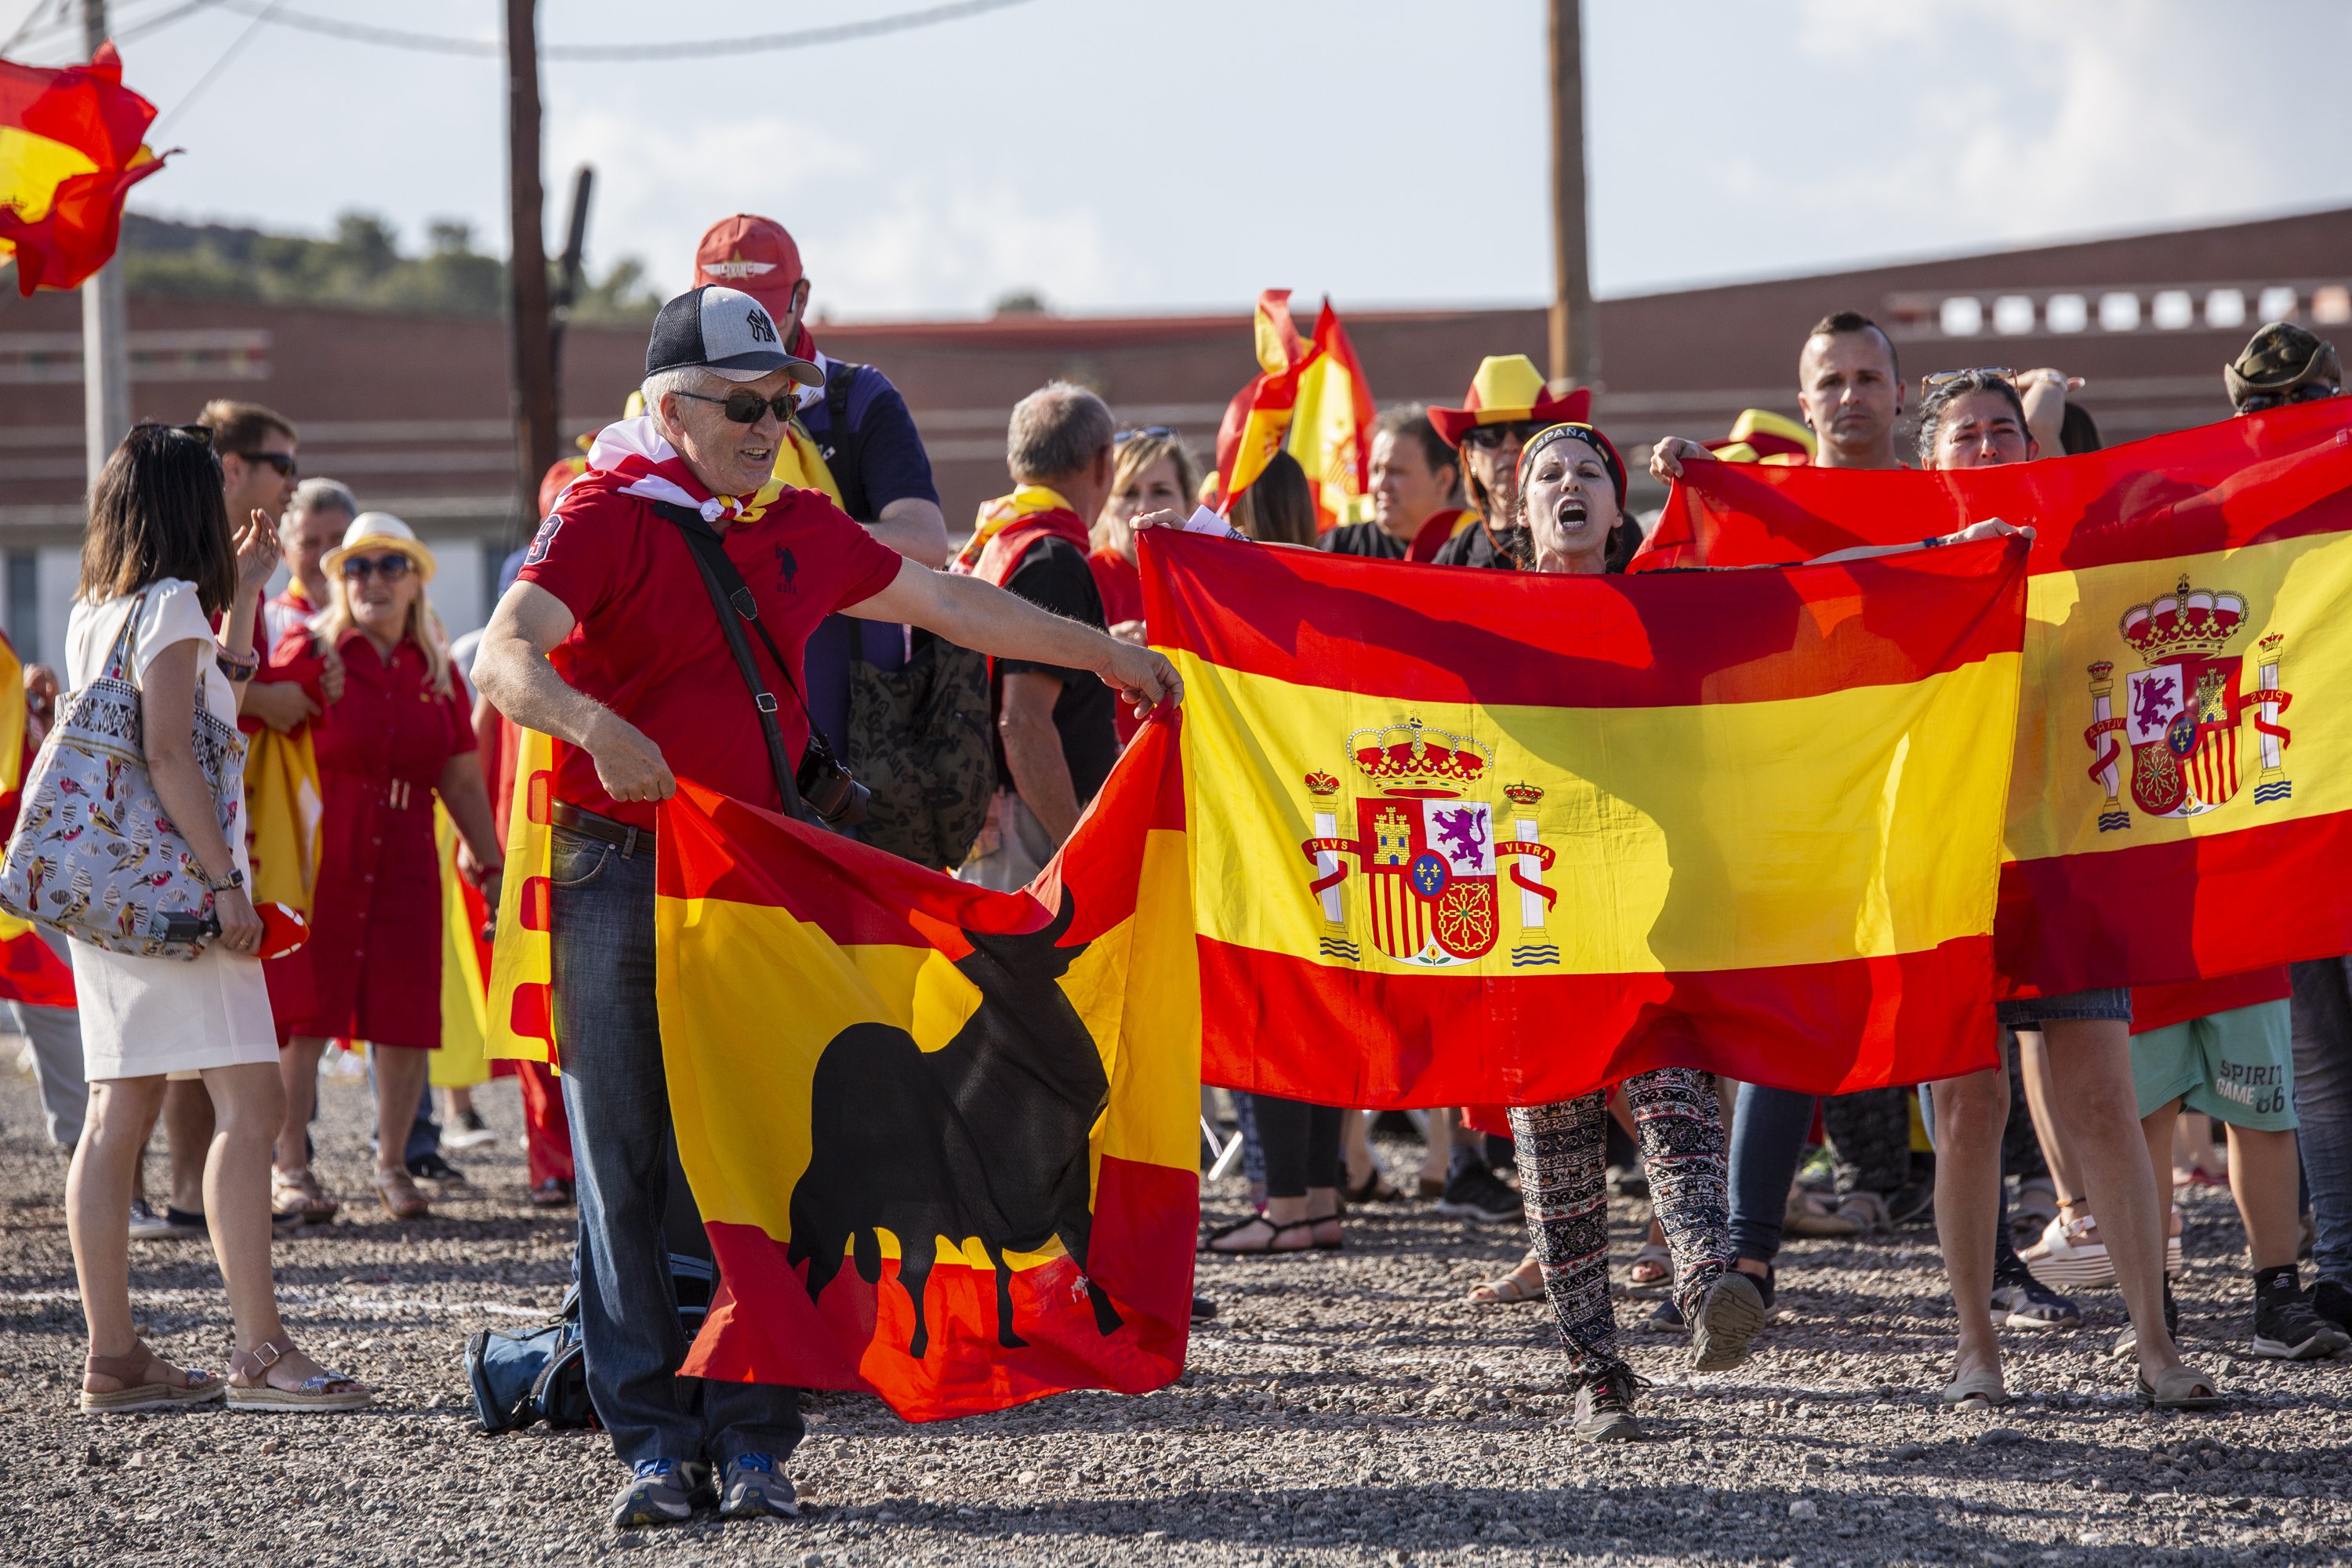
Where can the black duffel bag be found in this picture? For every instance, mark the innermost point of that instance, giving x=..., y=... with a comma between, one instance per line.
x=520, y=1377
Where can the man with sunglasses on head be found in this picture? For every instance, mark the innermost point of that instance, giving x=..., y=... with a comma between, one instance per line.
x=609, y=641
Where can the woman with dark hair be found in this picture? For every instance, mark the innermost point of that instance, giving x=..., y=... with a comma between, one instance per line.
x=158, y=563
x=1278, y=508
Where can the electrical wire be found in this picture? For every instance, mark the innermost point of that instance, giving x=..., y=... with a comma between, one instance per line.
x=32, y=23
x=160, y=20
x=435, y=43
x=236, y=47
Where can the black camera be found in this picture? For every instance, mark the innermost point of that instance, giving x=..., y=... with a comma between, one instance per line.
x=831, y=790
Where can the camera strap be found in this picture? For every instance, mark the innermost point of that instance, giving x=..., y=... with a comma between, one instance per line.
x=731, y=598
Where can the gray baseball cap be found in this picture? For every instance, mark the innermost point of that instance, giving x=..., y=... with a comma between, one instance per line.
x=726, y=332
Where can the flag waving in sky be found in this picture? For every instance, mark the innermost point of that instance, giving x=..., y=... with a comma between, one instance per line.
x=2181, y=804
x=1489, y=836
x=71, y=149
x=1331, y=424
x=943, y=1139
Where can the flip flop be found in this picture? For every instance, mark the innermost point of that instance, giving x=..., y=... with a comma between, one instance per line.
x=1209, y=1242
x=1653, y=1264
x=1977, y=1391
x=2178, y=1388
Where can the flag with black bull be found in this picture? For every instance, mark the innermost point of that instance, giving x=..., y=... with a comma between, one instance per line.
x=943, y=1139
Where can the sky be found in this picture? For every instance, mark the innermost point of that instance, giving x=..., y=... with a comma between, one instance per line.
x=1117, y=156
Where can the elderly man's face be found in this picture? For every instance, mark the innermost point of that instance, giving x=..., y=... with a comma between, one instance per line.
x=304, y=537
x=733, y=459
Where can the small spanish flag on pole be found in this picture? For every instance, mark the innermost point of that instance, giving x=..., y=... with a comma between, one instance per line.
x=1257, y=422
x=70, y=148
x=1331, y=423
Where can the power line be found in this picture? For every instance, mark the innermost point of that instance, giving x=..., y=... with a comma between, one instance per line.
x=236, y=47
x=161, y=20
x=32, y=23
x=435, y=43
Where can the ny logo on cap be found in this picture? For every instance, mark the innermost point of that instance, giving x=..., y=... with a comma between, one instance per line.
x=762, y=329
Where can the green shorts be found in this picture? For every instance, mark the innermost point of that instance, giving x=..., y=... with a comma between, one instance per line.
x=2236, y=1067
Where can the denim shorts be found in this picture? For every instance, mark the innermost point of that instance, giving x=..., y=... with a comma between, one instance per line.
x=2032, y=1011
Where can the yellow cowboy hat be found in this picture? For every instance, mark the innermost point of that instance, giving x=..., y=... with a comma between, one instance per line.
x=380, y=530
x=1508, y=389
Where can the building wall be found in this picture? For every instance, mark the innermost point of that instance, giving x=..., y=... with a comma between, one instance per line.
x=413, y=412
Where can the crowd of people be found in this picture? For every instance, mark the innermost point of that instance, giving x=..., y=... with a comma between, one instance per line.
x=752, y=468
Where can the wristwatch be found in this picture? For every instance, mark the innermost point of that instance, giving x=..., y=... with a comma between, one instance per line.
x=236, y=880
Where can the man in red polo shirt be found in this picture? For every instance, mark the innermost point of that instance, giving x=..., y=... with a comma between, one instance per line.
x=609, y=642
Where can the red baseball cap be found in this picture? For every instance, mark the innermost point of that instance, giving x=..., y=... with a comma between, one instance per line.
x=753, y=254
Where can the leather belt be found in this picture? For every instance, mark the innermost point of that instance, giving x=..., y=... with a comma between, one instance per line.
x=603, y=829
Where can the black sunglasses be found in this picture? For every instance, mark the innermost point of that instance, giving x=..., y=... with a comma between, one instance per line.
x=2309, y=392
x=744, y=407
x=1146, y=433
x=1488, y=437
x=391, y=568
x=282, y=461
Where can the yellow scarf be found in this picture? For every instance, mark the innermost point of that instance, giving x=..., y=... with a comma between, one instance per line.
x=996, y=516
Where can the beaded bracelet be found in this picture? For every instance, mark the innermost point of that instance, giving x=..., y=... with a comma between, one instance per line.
x=237, y=669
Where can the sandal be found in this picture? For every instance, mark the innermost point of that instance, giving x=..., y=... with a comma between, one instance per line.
x=1275, y=1233
x=325, y=1392
x=1338, y=1240
x=1506, y=1289
x=142, y=1391
x=1375, y=1188
x=1653, y=1264
x=2178, y=1388
x=300, y=1192
x=398, y=1191
x=1977, y=1391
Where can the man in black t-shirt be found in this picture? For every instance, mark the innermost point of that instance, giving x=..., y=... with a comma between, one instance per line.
x=1056, y=738
x=1416, y=490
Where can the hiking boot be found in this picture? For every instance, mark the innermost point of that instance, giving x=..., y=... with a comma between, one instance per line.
x=1604, y=1406
x=2285, y=1328
x=1474, y=1191
x=1730, y=1316
x=2022, y=1302
x=661, y=1492
x=754, y=1490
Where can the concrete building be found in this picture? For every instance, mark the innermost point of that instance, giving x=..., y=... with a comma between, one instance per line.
x=412, y=412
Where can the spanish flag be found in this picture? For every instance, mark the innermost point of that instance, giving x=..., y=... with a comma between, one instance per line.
x=2182, y=797
x=1331, y=424
x=521, y=1015
x=71, y=149
x=30, y=972
x=1478, y=836
x=1257, y=421
x=943, y=1139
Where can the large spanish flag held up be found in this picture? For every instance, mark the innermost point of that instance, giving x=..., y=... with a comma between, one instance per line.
x=943, y=1139
x=71, y=149
x=1481, y=836
x=2183, y=798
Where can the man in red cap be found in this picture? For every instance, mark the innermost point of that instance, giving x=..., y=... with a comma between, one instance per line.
x=857, y=444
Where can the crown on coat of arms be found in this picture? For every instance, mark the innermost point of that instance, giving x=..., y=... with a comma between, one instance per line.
x=2271, y=641
x=1321, y=782
x=1410, y=756
x=2186, y=621
x=1522, y=794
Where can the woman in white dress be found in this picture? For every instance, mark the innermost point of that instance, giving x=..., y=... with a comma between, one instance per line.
x=160, y=547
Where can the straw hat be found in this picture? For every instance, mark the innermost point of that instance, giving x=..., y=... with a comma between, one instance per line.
x=1508, y=390
x=372, y=532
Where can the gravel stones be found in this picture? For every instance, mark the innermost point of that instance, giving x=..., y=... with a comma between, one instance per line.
x=1342, y=1411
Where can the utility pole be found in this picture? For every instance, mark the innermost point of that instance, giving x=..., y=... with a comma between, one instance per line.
x=105, y=345
x=1575, y=349
x=531, y=348
x=569, y=269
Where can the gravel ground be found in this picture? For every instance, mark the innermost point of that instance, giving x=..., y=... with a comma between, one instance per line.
x=1340, y=1409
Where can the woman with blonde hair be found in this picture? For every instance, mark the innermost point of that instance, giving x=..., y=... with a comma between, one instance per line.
x=400, y=734
x=1152, y=470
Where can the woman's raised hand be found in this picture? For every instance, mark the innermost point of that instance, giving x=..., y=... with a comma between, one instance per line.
x=257, y=552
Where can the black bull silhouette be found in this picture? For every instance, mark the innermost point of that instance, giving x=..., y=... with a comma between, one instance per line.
x=984, y=1138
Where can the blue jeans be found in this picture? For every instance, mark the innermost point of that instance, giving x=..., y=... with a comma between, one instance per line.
x=618, y=1099
x=1768, y=1138
x=2322, y=1099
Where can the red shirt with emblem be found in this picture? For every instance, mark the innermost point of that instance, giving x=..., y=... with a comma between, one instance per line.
x=374, y=953
x=649, y=646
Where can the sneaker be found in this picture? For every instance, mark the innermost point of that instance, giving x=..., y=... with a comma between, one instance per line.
x=1476, y=1192
x=752, y=1489
x=146, y=1224
x=661, y=1492
x=470, y=1132
x=185, y=1224
x=1203, y=1309
x=2022, y=1302
x=2333, y=1302
x=430, y=1166
x=2062, y=1259
x=2285, y=1328
x=1730, y=1316
x=1666, y=1318
x=1604, y=1406
x=2127, y=1342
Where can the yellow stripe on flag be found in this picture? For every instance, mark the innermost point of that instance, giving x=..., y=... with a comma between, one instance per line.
x=463, y=1059
x=522, y=957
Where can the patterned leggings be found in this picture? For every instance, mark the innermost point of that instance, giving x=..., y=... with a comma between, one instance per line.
x=1562, y=1156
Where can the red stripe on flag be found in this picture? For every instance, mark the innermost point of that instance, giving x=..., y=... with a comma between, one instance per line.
x=1303, y=1030
x=763, y=1328
x=2155, y=913
x=1444, y=634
